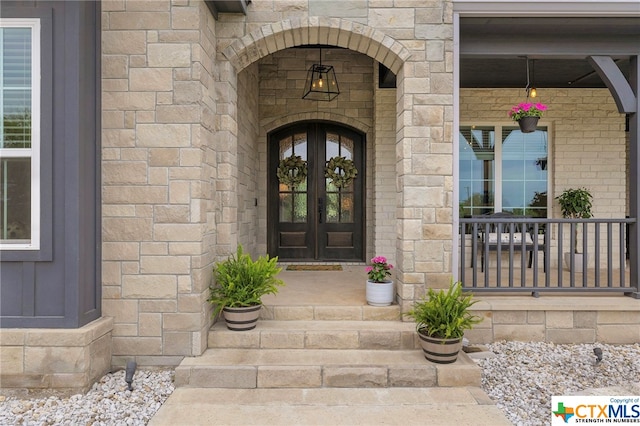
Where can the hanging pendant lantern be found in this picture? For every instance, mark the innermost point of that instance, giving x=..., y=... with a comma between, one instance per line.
x=321, y=84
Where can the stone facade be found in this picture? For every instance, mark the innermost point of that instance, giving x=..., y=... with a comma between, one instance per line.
x=588, y=320
x=69, y=360
x=169, y=172
x=189, y=102
x=187, y=105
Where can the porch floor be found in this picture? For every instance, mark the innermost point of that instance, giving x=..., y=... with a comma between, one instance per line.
x=321, y=288
x=347, y=287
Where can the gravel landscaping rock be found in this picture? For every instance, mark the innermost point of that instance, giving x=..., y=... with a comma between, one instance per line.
x=520, y=378
x=523, y=377
x=109, y=402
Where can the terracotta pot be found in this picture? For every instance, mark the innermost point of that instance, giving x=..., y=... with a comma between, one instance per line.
x=528, y=124
x=380, y=294
x=440, y=351
x=241, y=318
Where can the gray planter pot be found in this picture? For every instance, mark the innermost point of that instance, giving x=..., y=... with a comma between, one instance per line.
x=241, y=318
x=528, y=124
x=440, y=351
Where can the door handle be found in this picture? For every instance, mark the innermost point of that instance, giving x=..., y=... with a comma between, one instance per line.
x=320, y=209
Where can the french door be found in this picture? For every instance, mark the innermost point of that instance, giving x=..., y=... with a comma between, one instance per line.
x=316, y=217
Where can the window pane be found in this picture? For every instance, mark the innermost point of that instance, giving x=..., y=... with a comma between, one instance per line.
x=15, y=87
x=300, y=207
x=346, y=147
x=477, y=170
x=15, y=199
x=333, y=207
x=524, y=171
x=333, y=146
x=300, y=145
x=285, y=208
x=346, y=208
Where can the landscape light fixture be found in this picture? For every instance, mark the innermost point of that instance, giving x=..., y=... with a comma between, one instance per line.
x=321, y=84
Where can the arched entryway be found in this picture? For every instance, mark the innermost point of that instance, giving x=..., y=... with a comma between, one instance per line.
x=316, y=219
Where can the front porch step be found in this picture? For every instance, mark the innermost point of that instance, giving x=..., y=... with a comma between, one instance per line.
x=370, y=335
x=322, y=368
x=330, y=312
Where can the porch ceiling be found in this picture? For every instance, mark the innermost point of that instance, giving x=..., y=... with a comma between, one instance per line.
x=493, y=50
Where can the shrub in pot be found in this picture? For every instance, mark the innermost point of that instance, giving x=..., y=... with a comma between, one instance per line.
x=441, y=319
x=575, y=204
x=239, y=284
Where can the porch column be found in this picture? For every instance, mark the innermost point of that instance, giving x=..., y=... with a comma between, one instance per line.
x=634, y=180
x=628, y=101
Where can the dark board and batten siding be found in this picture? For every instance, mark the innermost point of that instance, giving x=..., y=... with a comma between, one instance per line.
x=58, y=286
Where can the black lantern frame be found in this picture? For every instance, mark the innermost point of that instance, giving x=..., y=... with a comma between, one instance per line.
x=321, y=83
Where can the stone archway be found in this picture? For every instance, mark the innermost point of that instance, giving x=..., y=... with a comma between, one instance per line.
x=325, y=116
x=338, y=32
x=420, y=158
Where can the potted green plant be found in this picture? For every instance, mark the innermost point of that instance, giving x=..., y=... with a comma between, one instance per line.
x=575, y=204
x=239, y=284
x=527, y=115
x=379, y=290
x=441, y=319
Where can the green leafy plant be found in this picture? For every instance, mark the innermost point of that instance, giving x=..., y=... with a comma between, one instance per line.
x=444, y=314
x=575, y=204
x=241, y=281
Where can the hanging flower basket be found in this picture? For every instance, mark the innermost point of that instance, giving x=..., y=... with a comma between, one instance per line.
x=292, y=170
x=527, y=115
x=528, y=124
x=341, y=171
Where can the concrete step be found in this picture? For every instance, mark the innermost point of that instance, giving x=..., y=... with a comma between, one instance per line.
x=364, y=312
x=391, y=335
x=308, y=368
x=325, y=406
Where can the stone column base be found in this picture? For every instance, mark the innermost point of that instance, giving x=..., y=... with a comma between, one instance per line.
x=68, y=360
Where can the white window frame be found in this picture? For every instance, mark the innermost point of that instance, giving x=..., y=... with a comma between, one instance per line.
x=498, y=126
x=34, y=151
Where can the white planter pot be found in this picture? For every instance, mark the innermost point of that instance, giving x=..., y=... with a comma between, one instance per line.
x=577, y=261
x=380, y=294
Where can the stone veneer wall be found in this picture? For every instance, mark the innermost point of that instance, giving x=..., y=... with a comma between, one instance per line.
x=561, y=320
x=69, y=360
x=383, y=194
x=414, y=40
x=161, y=169
x=249, y=178
x=177, y=148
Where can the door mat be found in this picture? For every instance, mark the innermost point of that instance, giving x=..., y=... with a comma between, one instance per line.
x=314, y=268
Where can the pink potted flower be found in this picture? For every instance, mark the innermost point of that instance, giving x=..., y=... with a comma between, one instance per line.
x=379, y=286
x=527, y=115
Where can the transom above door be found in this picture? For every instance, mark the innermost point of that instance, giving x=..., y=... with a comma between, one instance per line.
x=316, y=212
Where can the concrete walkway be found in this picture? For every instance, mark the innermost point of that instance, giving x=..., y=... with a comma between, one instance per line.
x=330, y=406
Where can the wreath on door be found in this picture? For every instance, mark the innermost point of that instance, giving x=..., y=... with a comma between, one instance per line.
x=341, y=171
x=292, y=170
